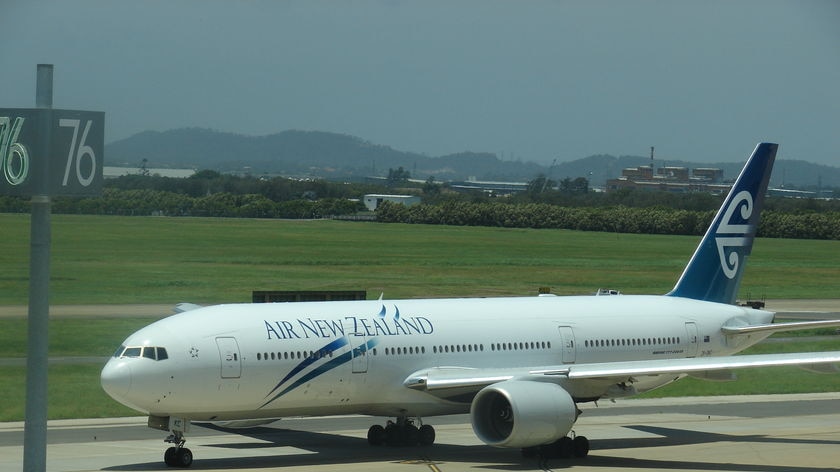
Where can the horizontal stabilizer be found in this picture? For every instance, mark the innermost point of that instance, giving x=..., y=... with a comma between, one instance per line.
x=182, y=307
x=779, y=327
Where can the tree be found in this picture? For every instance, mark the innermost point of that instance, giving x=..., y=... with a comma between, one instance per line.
x=431, y=188
x=539, y=185
x=576, y=186
x=398, y=175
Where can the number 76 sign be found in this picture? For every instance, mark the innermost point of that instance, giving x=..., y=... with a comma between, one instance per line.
x=51, y=151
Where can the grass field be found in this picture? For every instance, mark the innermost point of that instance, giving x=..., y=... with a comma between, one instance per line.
x=113, y=260
x=98, y=259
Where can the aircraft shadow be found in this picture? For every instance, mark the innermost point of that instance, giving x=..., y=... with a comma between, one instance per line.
x=330, y=449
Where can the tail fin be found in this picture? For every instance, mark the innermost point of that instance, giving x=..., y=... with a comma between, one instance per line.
x=714, y=271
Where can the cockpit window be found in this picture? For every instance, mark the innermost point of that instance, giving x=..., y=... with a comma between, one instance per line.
x=132, y=352
x=153, y=352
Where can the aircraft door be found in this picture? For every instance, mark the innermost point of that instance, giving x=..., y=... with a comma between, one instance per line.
x=358, y=348
x=231, y=362
x=567, y=345
x=691, y=339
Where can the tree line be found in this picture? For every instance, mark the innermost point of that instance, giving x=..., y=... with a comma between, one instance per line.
x=618, y=219
x=566, y=204
x=210, y=193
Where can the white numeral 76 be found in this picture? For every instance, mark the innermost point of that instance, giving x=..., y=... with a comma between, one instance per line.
x=81, y=151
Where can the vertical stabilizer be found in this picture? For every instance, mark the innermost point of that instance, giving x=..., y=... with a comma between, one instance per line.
x=714, y=271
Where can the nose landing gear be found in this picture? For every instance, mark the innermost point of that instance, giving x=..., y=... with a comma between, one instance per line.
x=177, y=455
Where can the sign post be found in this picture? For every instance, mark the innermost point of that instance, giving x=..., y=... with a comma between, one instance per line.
x=45, y=152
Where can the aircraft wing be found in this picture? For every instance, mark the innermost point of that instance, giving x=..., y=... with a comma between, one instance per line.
x=446, y=379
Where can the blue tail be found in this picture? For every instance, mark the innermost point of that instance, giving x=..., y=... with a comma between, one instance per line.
x=714, y=272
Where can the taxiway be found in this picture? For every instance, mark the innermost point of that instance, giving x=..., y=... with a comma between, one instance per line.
x=744, y=433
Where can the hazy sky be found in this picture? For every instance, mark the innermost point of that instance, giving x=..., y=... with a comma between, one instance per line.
x=530, y=80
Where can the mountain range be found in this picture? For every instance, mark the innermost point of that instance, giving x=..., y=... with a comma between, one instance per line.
x=317, y=154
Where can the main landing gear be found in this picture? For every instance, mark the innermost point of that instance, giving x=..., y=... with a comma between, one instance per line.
x=403, y=432
x=563, y=448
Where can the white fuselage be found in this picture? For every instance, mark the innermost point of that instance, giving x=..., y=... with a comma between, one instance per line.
x=247, y=361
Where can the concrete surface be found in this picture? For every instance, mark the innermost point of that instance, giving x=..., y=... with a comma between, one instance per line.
x=745, y=433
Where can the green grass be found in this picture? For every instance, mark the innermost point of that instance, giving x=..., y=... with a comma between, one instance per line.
x=73, y=392
x=99, y=259
x=76, y=336
x=765, y=381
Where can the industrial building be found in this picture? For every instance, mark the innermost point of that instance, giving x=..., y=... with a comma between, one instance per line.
x=372, y=200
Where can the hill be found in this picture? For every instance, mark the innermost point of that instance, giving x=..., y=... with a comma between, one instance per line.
x=334, y=156
x=302, y=154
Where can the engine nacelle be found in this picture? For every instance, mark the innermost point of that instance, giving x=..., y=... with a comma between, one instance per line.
x=521, y=413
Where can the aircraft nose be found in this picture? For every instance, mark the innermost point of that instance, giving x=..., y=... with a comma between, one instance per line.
x=116, y=378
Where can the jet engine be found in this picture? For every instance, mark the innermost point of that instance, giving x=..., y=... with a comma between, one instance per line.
x=521, y=413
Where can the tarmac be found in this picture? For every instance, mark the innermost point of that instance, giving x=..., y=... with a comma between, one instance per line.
x=772, y=433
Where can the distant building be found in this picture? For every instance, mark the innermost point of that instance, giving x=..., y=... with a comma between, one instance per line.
x=670, y=179
x=792, y=193
x=110, y=172
x=494, y=188
x=373, y=200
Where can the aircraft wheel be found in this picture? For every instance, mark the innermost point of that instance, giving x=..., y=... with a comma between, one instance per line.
x=183, y=458
x=530, y=451
x=393, y=435
x=376, y=435
x=169, y=456
x=426, y=435
x=581, y=446
x=565, y=447
x=411, y=435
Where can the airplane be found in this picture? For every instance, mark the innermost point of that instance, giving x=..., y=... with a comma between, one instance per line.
x=518, y=365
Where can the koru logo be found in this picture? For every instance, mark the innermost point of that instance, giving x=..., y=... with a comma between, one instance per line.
x=733, y=235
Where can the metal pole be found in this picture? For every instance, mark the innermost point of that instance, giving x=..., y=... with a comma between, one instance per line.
x=35, y=426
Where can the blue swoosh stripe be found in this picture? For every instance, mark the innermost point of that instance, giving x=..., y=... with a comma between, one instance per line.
x=342, y=359
x=328, y=366
x=328, y=349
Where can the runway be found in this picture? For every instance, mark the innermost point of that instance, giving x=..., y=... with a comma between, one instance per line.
x=744, y=433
